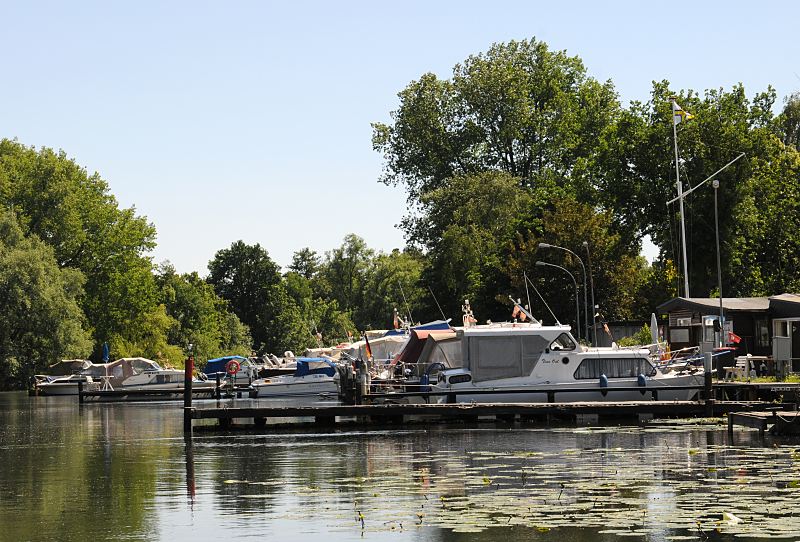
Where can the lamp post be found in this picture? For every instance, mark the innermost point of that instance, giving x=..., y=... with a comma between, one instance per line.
x=577, y=303
x=585, y=302
x=715, y=184
x=591, y=283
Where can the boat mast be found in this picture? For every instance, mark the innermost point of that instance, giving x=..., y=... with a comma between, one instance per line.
x=680, y=201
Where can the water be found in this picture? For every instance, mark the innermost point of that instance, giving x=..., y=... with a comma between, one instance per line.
x=124, y=472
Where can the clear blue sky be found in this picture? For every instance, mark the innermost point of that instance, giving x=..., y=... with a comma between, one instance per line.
x=251, y=120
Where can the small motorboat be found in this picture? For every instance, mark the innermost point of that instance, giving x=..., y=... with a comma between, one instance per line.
x=312, y=377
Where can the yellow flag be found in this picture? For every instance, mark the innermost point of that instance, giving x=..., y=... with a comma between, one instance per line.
x=678, y=114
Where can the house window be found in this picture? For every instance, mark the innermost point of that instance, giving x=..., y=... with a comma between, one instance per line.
x=781, y=328
x=762, y=333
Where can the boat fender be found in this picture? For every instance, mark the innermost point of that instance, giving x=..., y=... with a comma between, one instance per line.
x=642, y=381
x=232, y=367
x=603, y=385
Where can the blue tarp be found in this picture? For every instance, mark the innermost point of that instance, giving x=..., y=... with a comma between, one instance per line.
x=217, y=365
x=430, y=326
x=314, y=366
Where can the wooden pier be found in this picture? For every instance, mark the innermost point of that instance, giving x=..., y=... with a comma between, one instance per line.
x=782, y=422
x=366, y=415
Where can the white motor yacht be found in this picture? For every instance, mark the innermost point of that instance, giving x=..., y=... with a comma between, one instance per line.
x=546, y=363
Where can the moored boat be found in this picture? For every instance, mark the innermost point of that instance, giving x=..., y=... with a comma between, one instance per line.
x=313, y=377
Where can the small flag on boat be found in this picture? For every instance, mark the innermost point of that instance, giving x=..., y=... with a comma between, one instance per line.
x=367, y=349
x=734, y=338
x=678, y=114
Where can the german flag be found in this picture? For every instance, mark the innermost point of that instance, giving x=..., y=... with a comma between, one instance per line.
x=367, y=349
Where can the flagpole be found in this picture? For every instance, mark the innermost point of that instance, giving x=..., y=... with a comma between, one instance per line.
x=680, y=202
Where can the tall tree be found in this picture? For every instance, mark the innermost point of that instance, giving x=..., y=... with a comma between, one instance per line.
x=41, y=321
x=200, y=316
x=250, y=281
x=74, y=213
x=639, y=178
x=519, y=108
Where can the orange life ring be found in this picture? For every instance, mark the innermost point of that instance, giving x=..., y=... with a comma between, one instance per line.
x=232, y=367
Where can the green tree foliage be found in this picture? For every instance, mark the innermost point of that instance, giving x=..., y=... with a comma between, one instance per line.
x=200, y=316
x=41, y=321
x=343, y=275
x=469, y=228
x=394, y=283
x=789, y=121
x=247, y=278
x=519, y=108
x=756, y=201
x=74, y=213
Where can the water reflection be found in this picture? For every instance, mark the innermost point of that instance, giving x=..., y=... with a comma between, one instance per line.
x=110, y=471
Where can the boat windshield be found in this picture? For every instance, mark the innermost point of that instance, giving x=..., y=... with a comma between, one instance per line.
x=563, y=342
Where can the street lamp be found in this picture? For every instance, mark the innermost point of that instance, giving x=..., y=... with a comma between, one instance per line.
x=591, y=283
x=585, y=302
x=715, y=184
x=577, y=303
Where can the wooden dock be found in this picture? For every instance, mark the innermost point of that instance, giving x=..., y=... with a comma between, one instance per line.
x=366, y=415
x=782, y=422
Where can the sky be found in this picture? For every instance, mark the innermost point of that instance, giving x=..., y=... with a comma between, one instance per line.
x=222, y=121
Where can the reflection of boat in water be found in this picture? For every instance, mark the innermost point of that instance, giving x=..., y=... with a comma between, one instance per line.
x=63, y=378
x=312, y=377
x=537, y=359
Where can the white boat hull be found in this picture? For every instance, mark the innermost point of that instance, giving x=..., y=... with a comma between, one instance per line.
x=561, y=392
x=296, y=387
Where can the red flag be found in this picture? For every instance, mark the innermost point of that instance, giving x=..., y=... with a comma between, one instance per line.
x=734, y=338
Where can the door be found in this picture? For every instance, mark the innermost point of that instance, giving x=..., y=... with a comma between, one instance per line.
x=795, y=347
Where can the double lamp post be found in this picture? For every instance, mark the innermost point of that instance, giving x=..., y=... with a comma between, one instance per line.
x=585, y=300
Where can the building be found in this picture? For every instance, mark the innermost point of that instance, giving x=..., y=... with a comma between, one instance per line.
x=760, y=326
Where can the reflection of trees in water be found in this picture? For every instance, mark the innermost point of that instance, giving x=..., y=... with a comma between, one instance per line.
x=78, y=475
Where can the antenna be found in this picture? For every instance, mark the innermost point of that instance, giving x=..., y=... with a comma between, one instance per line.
x=437, y=303
x=527, y=293
x=542, y=298
x=408, y=309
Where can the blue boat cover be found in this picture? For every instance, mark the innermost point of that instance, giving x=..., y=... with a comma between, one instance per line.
x=314, y=366
x=217, y=365
x=430, y=326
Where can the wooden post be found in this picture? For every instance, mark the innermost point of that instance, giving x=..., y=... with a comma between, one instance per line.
x=707, y=375
x=80, y=392
x=218, y=391
x=187, y=394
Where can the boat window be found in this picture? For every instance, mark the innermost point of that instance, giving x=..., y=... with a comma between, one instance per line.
x=591, y=369
x=563, y=342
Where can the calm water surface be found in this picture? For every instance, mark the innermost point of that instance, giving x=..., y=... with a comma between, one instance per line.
x=125, y=472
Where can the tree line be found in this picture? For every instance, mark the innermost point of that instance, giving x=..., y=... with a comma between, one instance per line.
x=521, y=146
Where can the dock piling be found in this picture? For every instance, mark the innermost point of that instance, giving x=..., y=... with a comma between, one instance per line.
x=187, y=394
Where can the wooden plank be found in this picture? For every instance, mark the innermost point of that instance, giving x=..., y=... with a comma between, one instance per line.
x=461, y=410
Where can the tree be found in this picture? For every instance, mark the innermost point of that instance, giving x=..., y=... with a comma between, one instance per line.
x=74, y=213
x=247, y=278
x=469, y=228
x=305, y=262
x=638, y=163
x=343, y=275
x=200, y=316
x=789, y=121
x=41, y=321
x=518, y=108
x=393, y=282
